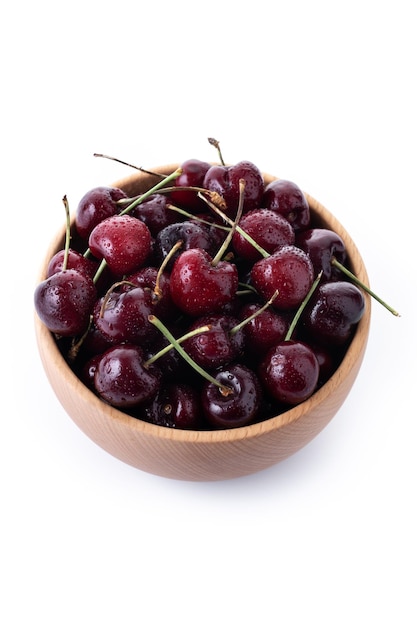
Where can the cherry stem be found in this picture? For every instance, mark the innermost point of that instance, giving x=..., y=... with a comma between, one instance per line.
x=157, y=289
x=170, y=346
x=175, y=344
x=216, y=144
x=141, y=169
x=243, y=323
x=152, y=190
x=110, y=291
x=358, y=282
x=302, y=307
x=195, y=218
x=232, y=231
x=240, y=230
x=67, y=233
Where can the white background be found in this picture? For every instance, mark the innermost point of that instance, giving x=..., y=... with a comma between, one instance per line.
x=322, y=93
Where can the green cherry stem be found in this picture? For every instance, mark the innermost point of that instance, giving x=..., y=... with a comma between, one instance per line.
x=358, y=282
x=144, y=196
x=232, y=223
x=302, y=307
x=170, y=346
x=67, y=233
x=248, y=319
x=231, y=232
x=175, y=343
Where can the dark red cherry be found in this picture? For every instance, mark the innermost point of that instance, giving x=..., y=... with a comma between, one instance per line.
x=333, y=313
x=290, y=271
x=287, y=199
x=193, y=173
x=64, y=302
x=154, y=213
x=237, y=408
x=192, y=235
x=269, y=229
x=225, y=180
x=321, y=245
x=122, y=379
x=95, y=206
x=123, y=241
x=158, y=284
x=123, y=316
x=175, y=406
x=290, y=372
x=218, y=346
x=265, y=330
x=75, y=261
x=198, y=287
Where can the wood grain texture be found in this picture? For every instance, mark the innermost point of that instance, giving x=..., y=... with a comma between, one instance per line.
x=201, y=455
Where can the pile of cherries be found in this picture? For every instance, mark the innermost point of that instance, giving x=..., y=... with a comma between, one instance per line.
x=210, y=301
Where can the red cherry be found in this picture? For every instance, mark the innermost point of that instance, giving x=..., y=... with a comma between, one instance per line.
x=95, y=206
x=225, y=180
x=290, y=271
x=123, y=241
x=290, y=372
x=192, y=174
x=64, y=302
x=198, y=287
x=269, y=229
x=287, y=199
x=122, y=378
x=76, y=261
x=123, y=316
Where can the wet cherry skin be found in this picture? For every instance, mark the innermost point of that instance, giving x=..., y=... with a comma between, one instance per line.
x=225, y=180
x=268, y=228
x=122, y=379
x=238, y=408
x=95, y=206
x=290, y=372
x=123, y=241
x=64, y=302
x=198, y=287
x=290, y=271
x=285, y=197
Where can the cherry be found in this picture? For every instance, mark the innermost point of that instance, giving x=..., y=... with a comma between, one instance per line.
x=157, y=282
x=124, y=242
x=155, y=213
x=217, y=347
x=322, y=246
x=268, y=228
x=264, y=330
x=75, y=261
x=95, y=206
x=198, y=287
x=333, y=313
x=175, y=406
x=64, y=302
x=288, y=270
x=287, y=199
x=122, y=379
x=290, y=372
x=192, y=235
x=123, y=316
x=237, y=408
x=225, y=180
x=192, y=174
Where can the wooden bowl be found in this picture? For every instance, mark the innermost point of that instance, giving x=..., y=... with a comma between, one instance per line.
x=204, y=455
